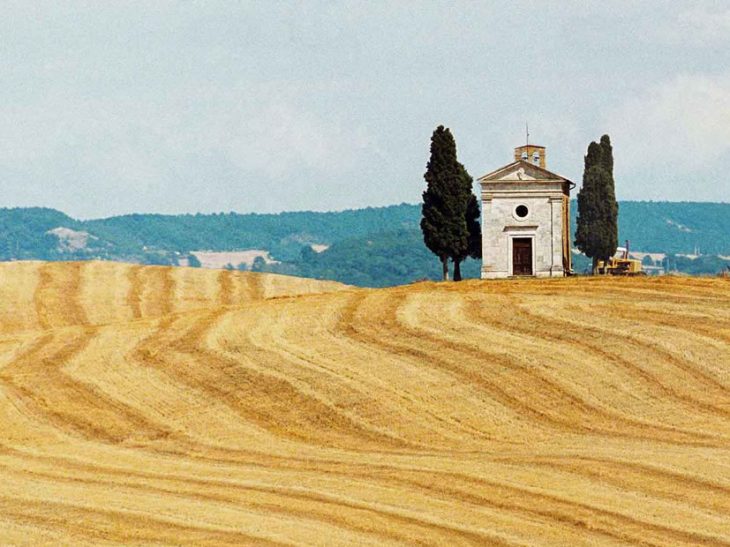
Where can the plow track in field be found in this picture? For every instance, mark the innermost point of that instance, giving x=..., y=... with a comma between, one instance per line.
x=152, y=405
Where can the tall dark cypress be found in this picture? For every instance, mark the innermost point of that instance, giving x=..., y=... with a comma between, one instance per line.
x=609, y=199
x=444, y=202
x=473, y=228
x=587, y=208
x=607, y=154
x=597, y=231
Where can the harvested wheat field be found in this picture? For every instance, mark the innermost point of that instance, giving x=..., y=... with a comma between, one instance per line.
x=146, y=405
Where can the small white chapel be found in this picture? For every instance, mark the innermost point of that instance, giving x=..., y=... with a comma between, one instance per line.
x=525, y=218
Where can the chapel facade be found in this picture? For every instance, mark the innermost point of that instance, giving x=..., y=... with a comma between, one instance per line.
x=525, y=218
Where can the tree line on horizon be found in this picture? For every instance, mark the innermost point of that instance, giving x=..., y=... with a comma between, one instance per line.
x=373, y=247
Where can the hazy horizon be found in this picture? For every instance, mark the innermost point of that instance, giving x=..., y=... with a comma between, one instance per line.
x=177, y=108
x=293, y=211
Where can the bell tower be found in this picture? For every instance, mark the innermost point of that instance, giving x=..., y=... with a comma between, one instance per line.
x=531, y=153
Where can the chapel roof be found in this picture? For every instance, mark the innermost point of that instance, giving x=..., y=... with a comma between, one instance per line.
x=521, y=170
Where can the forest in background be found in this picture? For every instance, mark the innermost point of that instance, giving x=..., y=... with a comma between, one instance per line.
x=375, y=246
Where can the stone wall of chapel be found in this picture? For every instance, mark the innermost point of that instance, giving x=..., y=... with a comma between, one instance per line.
x=545, y=223
x=567, y=255
x=501, y=223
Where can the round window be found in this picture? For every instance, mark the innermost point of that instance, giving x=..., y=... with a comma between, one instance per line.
x=521, y=211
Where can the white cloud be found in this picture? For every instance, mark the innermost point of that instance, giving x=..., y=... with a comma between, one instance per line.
x=699, y=26
x=680, y=124
x=705, y=25
x=280, y=139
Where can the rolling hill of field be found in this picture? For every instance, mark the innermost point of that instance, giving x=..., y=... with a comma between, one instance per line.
x=151, y=405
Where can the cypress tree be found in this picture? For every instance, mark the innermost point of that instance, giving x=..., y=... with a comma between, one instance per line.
x=597, y=231
x=474, y=230
x=444, y=207
x=611, y=213
x=587, y=209
x=607, y=155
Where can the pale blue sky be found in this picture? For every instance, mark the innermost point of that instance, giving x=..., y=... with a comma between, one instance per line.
x=117, y=107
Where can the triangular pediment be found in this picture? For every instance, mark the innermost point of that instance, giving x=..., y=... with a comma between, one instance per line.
x=521, y=171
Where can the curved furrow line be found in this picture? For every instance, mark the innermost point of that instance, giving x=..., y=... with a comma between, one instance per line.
x=521, y=321
x=167, y=292
x=36, y=382
x=245, y=460
x=582, y=335
x=678, y=286
x=291, y=403
x=610, y=523
x=475, y=315
x=56, y=297
x=633, y=477
x=683, y=290
x=427, y=347
x=60, y=294
x=341, y=509
x=359, y=387
x=618, y=298
x=158, y=291
x=370, y=467
x=256, y=287
x=709, y=327
x=462, y=489
x=424, y=349
x=134, y=295
x=334, y=510
x=225, y=288
x=558, y=509
x=85, y=523
x=531, y=504
x=708, y=384
x=382, y=339
x=680, y=295
x=278, y=406
x=685, y=320
x=553, y=329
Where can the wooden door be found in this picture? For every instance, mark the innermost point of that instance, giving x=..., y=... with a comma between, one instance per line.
x=522, y=256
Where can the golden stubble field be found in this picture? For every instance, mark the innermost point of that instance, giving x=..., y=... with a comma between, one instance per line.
x=149, y=405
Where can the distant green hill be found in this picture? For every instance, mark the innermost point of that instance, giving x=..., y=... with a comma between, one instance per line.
x=282, y=234
x=376, y=260
x=24, y=233
x=373, y=246
x=673, y=227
